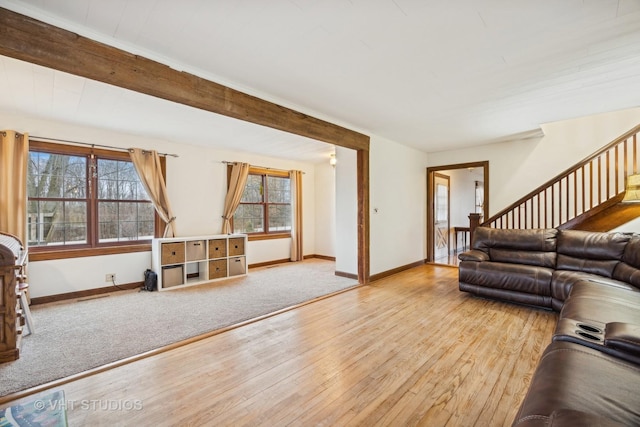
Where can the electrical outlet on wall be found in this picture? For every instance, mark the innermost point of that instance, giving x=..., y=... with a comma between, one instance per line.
x=110, y=277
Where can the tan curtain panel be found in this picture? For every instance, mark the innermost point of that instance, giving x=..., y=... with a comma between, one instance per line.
x=295, y=177
x=239, y=174
x=147, y=164
x=14, y=157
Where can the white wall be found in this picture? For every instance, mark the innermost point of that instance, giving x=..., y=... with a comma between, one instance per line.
x=398, y=191
x=517, y=167
x=398, y=206
x=196, y=182
x=325, y=210
x=630, y=227
x=346, y=211
x=462, y=190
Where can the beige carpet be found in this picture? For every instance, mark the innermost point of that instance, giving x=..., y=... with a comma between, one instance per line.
x=78, y=335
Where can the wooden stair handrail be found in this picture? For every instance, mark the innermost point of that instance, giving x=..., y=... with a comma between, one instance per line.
x=632, y=133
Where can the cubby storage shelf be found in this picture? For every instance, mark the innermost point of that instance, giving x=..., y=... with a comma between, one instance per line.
x=187, y=261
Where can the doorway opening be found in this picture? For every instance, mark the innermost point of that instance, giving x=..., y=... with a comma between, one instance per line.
x=453, y=192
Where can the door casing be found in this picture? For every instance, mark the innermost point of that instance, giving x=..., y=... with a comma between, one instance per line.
x=431, y=171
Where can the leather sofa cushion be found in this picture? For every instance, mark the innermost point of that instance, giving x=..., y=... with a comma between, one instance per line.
x=532, y=247
x=563, y=280
x=591, y=302
x=543, y=240
x=577, y=378
x=543, y=259
x=592, y=245
x=625, y=273
x=631, y=254
x=591, y=252
x=602, y=268
x=507, y=295
x=514, y=277
x=629, y=269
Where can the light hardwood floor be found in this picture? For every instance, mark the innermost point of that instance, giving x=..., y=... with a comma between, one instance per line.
x=409, y=349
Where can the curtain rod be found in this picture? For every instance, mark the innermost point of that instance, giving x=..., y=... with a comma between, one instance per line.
x=261, y=167
x=4, y=133
x=94, y=145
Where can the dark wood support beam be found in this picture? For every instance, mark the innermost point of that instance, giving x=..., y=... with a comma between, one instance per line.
x=363, y=216
x=27, y=39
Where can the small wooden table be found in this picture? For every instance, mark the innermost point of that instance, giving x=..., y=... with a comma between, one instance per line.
x=464, y=231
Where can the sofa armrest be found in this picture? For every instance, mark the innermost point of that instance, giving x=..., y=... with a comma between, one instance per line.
x=623, y=336
x=473, y=255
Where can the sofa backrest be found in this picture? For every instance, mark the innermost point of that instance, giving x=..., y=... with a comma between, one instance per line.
x=628, y=270
x=531, y=247
x=590, y=251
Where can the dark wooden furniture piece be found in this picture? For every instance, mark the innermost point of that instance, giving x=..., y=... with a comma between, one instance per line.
x=464, y=231
x=13, y=259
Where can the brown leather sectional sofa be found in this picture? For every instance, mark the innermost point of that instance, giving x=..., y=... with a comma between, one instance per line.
x=590, y=372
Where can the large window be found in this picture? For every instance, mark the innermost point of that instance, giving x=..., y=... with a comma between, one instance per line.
x=81, y=199
x=265, y=208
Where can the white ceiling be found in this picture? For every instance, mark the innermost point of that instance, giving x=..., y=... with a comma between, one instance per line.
x=54, y=95
x=430, y=74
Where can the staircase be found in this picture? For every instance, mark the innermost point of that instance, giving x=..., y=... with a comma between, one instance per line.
x=585, y=197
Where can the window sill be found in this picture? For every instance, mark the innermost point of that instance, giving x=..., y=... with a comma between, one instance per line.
x=79, y=253
x=269, y=236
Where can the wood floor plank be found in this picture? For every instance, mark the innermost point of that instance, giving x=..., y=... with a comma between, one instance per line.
x=443, y=382
x=518, y=372
x=437, y=344
x=409, y=349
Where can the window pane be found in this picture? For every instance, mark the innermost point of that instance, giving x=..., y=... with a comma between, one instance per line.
x=249, y=219
x=56, y=223
x=75, y=232
x=107, y=169
x=108, y=189
x=279, y=218
x=146, y=230
x=40, y=218
x=142, y=192
x=118, y=180
x=128, y=230
x=123, y=221
x=128, y=190
x=75, y=222
x=108, y=221
x=56, y=176
x=441, y=202
x=74, y=187
x=146, y=212
x=146, y=221
x=253, y=190
x=279, y=190
x=126, y=171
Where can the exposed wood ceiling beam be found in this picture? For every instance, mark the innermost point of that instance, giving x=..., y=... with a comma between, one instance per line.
x=30, y=40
